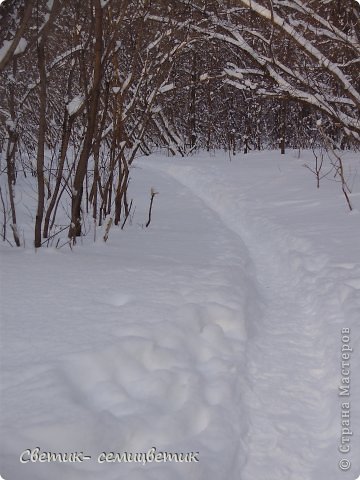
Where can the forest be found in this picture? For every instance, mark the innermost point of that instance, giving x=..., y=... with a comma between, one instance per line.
x=88, y=86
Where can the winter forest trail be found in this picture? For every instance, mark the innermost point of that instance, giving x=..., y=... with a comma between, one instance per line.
x=215, y=331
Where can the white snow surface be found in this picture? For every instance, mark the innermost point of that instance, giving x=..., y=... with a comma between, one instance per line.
x=4, y=49
x=75, y=104
x=216, y=330
x=21, y=46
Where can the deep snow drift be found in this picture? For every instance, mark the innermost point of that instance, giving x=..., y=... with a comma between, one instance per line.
x=216, y=330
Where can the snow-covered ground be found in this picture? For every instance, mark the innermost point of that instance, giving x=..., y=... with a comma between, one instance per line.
x=216, y=330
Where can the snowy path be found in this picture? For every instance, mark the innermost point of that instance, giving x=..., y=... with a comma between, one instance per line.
x=216, y=330
x=289, y=414
x=291, y=359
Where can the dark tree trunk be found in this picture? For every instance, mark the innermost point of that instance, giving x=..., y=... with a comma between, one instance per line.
x=93, y=103
x=41, y=145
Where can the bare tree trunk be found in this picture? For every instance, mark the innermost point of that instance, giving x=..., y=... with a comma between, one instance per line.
x=283, y=109
x=93, y=198
x=122, y=187
x=67, y=125
x=339, y=167
x=209, y=121
x=41, y=145
x=192, y=121
x=41, y=140
x=152, y=194
x=4, y=216
x=10, y=158
x=93, y=103
x=10, y=164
